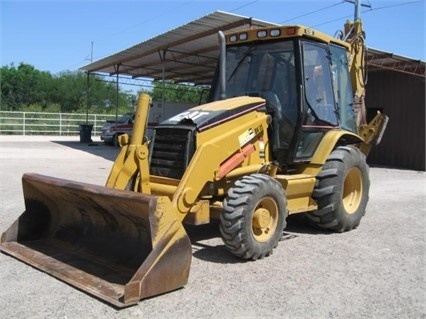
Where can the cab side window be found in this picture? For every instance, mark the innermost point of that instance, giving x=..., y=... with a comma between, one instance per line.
x=343, y=87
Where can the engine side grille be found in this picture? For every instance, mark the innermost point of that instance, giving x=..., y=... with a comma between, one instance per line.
x=171, y=151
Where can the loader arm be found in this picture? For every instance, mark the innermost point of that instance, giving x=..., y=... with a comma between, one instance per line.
x=131, y=168
x=220, y=150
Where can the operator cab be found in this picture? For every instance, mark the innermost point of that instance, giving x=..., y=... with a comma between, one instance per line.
x=303, y=76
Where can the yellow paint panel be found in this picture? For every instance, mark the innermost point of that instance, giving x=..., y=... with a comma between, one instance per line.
x=229, y=104
x=298, y=189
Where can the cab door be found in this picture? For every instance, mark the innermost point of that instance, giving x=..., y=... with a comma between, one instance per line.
x=319, y=103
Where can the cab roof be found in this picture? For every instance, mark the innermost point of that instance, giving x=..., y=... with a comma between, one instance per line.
x=281, y=32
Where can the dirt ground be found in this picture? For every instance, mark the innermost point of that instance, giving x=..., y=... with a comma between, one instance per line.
x=375, y=271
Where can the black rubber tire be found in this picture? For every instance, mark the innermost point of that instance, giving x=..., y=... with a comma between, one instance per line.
x=253, y=216
x=341, y=191
x=115, y=140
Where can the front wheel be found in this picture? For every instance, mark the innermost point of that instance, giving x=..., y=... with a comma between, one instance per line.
x=341, y=191
x=253, y=216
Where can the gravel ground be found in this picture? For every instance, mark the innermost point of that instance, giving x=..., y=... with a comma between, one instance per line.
x=374, y=271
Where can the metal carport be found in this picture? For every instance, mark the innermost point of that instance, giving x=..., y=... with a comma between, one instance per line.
x=186, y=54
x=189, y=53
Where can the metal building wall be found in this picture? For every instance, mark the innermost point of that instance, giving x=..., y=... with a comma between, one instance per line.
x=401, y=97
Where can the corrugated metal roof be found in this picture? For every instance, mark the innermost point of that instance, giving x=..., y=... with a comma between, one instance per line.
x=190, y=53
x=379, y=60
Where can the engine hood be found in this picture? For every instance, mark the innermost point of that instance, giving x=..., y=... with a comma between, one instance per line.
x=211, y=114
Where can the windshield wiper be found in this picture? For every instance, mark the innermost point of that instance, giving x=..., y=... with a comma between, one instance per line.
x=241, y=61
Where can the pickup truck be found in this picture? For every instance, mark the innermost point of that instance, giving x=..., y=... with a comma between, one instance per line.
x=111, y=129
x=157, y=113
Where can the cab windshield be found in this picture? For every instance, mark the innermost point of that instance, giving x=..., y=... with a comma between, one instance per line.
x=267, y=70
x=257, y=69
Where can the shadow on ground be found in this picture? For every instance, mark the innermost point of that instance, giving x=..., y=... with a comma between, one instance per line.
x=217, y=253
x=95, y=148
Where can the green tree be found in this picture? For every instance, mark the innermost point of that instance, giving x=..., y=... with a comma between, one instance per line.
x=70, y=91
x=176, y=92
x=23, y=85
x=103, y=96
x=24, y=88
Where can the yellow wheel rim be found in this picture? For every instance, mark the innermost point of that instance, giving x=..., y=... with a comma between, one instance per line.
x=265, y=219
x=352, y=190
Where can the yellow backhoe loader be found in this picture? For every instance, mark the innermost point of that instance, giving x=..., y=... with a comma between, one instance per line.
x=283, y=133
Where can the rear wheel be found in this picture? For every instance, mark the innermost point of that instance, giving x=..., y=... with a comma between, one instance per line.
x=253, y=216
x=341, y=191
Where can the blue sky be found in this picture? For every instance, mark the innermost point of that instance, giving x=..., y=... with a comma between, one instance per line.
x=56, y=35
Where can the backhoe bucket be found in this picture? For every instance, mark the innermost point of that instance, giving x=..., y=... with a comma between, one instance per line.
x=119, y=246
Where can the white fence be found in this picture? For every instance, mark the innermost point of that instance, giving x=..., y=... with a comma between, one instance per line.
x=40, y=123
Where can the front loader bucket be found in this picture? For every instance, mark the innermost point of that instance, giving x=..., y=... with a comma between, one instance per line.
x=119, y=246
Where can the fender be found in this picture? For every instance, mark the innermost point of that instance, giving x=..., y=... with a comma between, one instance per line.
x=330, y=141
